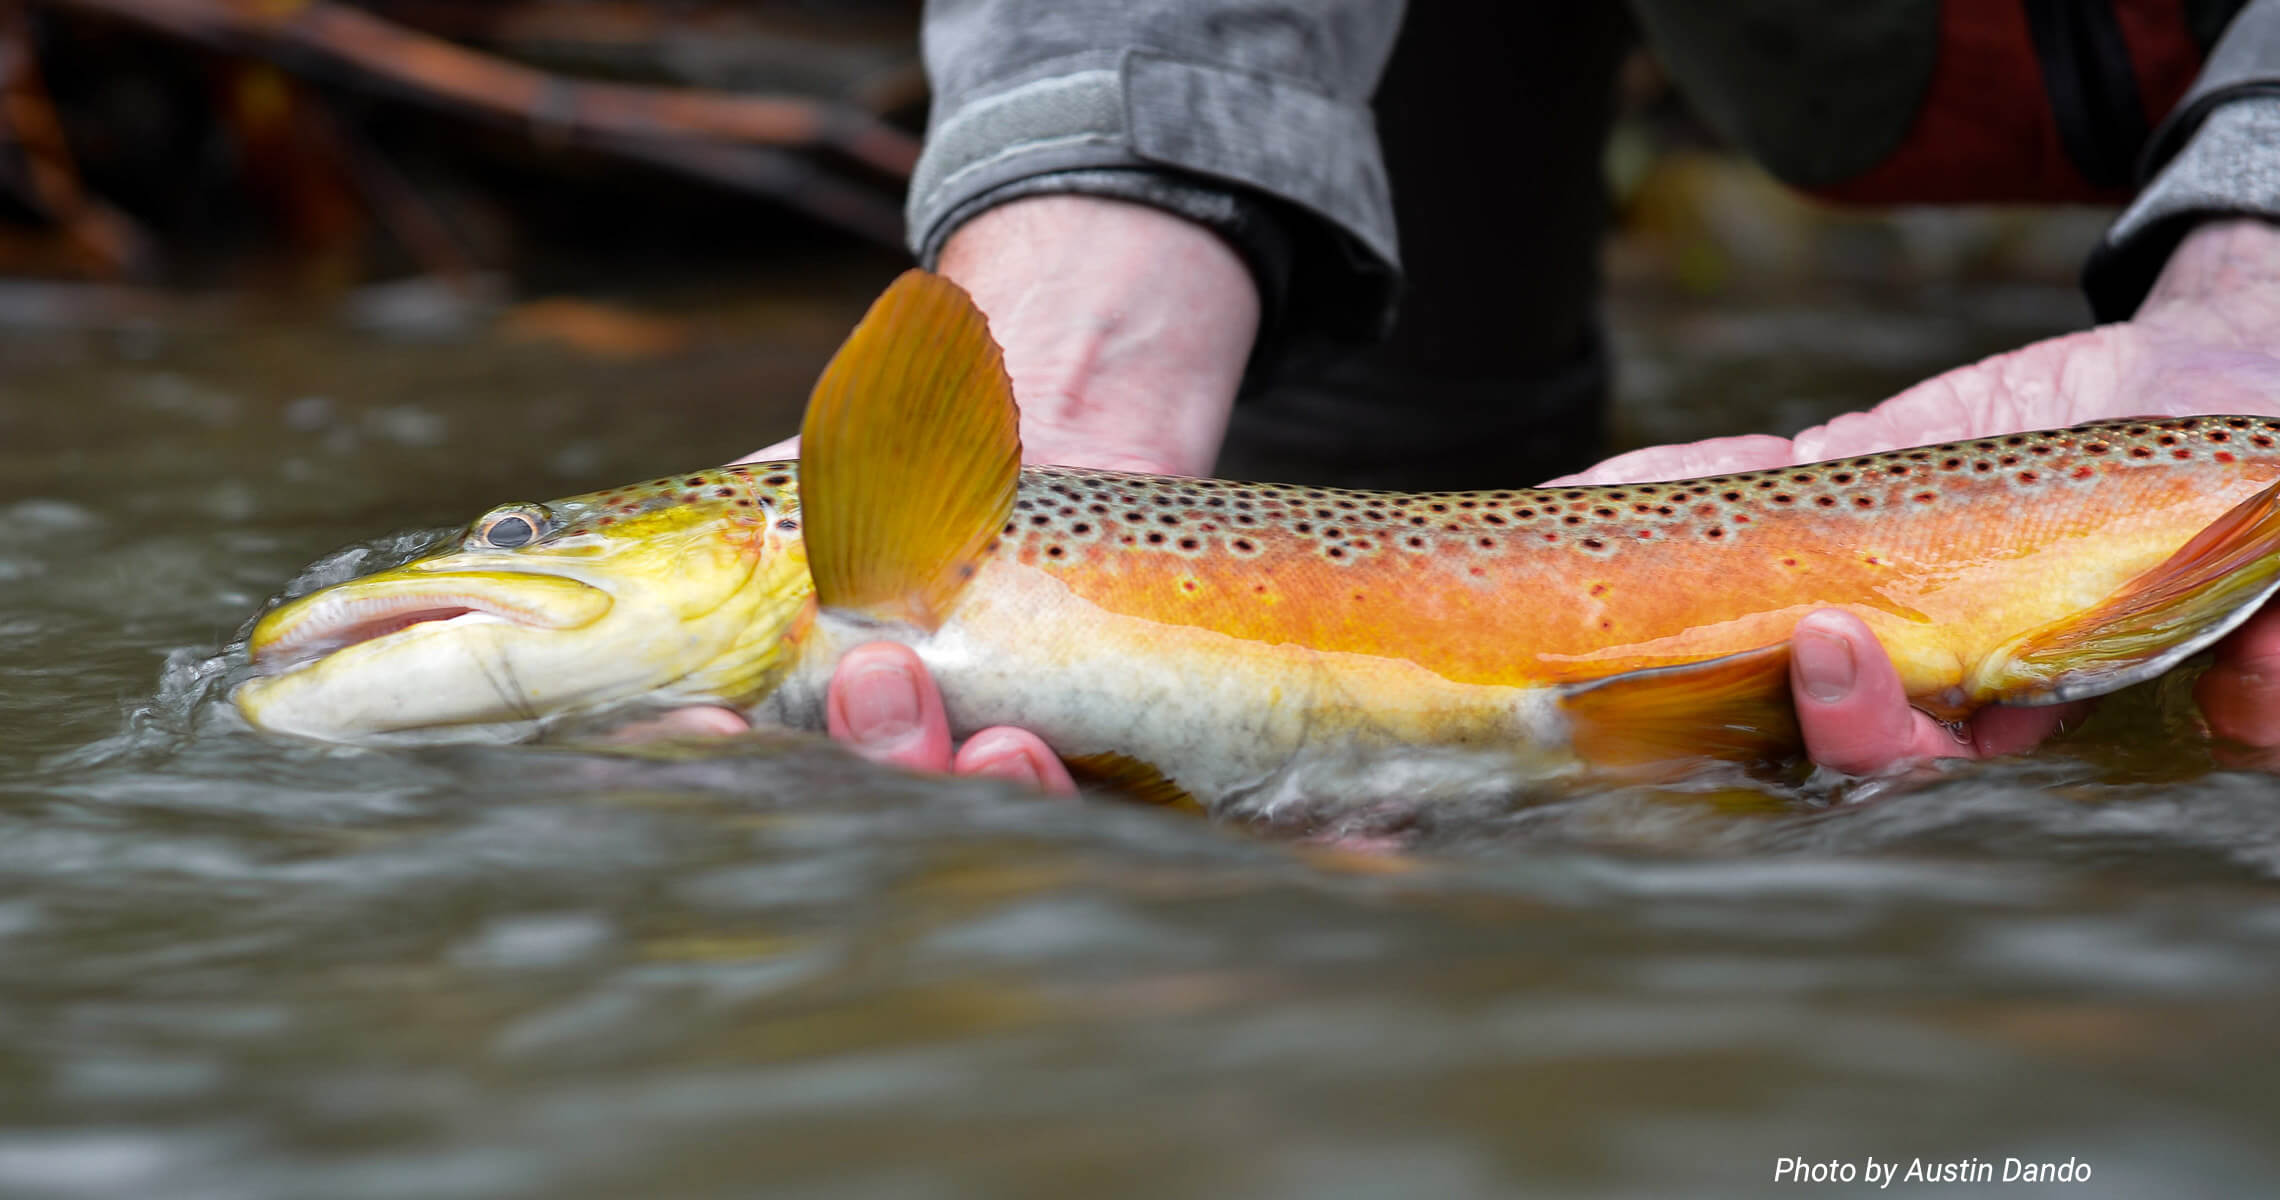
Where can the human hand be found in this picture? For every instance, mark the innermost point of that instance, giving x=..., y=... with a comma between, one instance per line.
x=883, y=705
x=2206, y=340
x=1125, y=332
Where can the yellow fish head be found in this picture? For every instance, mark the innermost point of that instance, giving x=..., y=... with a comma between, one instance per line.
x=688, y=589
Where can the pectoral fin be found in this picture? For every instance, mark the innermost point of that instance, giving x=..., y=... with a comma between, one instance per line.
x=1128, y=776
x=1735, y=707
x=909, y=455
x=2155, y=621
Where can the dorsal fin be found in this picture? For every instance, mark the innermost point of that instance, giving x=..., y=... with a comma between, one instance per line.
x=909, y=455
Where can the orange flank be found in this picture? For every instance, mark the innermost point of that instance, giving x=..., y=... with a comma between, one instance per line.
x=1219, y=640
x=1947, y=551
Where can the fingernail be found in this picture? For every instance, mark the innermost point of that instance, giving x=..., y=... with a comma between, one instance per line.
x=1014, y=767
x=882, y=704
x=1824, y=665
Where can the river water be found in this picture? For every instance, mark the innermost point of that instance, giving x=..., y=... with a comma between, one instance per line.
x=238, y=967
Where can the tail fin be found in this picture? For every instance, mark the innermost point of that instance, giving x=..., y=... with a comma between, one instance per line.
x=2157, y=620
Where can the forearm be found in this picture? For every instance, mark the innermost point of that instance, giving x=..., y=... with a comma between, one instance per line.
x=1125, y=329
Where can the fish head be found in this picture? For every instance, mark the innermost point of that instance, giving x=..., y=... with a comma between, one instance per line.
x=689, y=589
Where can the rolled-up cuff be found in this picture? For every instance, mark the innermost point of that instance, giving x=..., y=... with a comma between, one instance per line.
x=1211, y=125
x=2229, y=167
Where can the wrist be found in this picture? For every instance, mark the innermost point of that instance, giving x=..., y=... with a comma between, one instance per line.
x=2220, y=257
x=1126, y=330
x=2221, y=286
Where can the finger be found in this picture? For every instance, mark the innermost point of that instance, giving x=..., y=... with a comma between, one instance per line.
x=885, y=707
x=1999, y=730
x=785, y=450
x=1003, y=752
x=2240, y=695
x=700, y=721
x=1717, y=456
x=1850, y=705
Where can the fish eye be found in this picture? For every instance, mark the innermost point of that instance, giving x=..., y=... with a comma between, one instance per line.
x=511, y=528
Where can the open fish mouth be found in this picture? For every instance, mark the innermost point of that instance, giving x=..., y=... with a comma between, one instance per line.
x=384, y=605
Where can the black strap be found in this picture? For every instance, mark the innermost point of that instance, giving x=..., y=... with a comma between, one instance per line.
x=2092, y=86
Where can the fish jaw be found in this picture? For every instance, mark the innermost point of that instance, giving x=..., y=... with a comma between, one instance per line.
x=378, y=606
x=457, y=641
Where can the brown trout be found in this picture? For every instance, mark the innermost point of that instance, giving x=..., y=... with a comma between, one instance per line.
x=1209, y=636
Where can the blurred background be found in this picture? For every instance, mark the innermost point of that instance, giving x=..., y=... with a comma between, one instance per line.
x=612, y=176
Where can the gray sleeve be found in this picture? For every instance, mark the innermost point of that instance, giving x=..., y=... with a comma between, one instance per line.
x=2216, y=154
x=1174, y=103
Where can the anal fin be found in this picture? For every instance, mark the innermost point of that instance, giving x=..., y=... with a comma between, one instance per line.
x=2157, y=620
x=1735, y=707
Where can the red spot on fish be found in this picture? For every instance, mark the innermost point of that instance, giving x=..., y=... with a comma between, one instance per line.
x=1928, y=497
x=1599, y=589
x=1789, y=562
x=2180, y=454
x=2224, y=456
